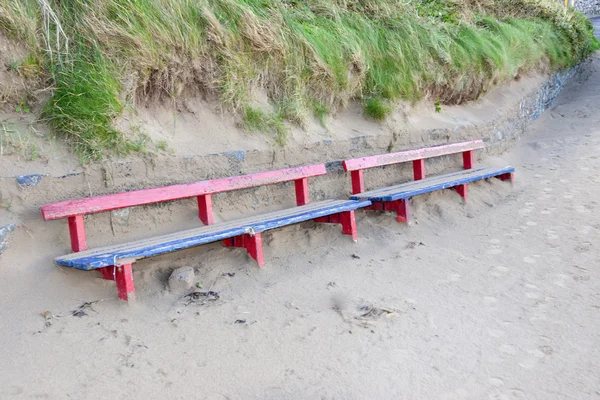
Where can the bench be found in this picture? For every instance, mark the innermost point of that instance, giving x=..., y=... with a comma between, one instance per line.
x=115, y=261
x=396, y=198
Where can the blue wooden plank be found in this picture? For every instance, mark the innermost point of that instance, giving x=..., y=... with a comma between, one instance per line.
x=409, y=191
x=91, y=259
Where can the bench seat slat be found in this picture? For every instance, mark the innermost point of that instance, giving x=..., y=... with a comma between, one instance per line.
x=111, y=255
x=410, y=155
x=175, y=192
x=434, y=183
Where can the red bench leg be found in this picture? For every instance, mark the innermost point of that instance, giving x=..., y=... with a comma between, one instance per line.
x=507, y=177
x=302, y=195
x=358, y=181
x=348, y=221
x=124, y=279
x=419, y=169
x=108, y=273
x=205, y=209
x=252, y=244
x=403, y=211
x=77, y=232
x=346, y=218
x=463, y=190
x=468, y=159
x=401, y=207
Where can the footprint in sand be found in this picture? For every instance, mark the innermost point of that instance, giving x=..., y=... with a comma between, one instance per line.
x=529, y=260
x=496, y=382
x=551, y=235
x=499, y=271
x=489, y=300
x=530, y=286
x=496, y=333
x=494, y=252
x=508, y=349
x=568, y=195
x=531, y=223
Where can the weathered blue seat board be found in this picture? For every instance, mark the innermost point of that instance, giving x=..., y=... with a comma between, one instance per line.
x=127, y=253
x=432, y=184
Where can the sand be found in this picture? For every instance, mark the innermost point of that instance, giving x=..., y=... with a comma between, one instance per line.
x=495, y=299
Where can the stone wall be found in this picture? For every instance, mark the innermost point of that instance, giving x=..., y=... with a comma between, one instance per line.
x=588, y=7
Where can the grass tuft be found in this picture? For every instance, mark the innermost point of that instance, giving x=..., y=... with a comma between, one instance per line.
x=377, y=109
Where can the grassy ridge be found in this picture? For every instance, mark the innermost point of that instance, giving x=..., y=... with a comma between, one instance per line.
x=312, y=57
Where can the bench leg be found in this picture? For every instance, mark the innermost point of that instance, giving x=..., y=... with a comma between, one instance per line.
x=346, y=218
x=507, y=177
x=348, y=221
x=124, y=279
x=463, y=190
x=205, y=212
x=108, y=273
x=77, y=233
x=252, y=244
x=400, y=207
x=403, y=210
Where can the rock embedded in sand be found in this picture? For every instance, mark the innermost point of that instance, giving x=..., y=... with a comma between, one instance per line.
x=182, y=279
x=4, y=232
x=29, y=180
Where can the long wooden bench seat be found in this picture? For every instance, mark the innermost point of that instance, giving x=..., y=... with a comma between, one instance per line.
x=237, y=232
x=115, y=262
x=396, y=198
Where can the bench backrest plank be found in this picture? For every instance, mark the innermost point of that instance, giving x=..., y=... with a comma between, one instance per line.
x=175, y=192
x=356, y=165
x=410, y=155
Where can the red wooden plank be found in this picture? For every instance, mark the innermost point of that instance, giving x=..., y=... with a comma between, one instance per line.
x=175, y=192
x=348, y=221
x=508, y=177
x=419, y=169
x=411, y=155
x=463, y=191
x=358, y=181
x=124, y=279
x=205, y=209
x=468, y=159
x=302, y=195
x=108, y=273
x=252, y=244
x=77, y=233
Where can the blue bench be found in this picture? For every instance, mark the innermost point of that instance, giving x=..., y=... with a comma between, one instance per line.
x=115, y=261
x=396, y=198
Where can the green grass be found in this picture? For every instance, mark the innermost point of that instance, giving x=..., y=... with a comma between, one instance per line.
x=256, y=120
x=311, y=57
x=377, y=109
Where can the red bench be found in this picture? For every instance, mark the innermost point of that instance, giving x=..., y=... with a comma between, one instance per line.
x=396, y=198
x=115, y=262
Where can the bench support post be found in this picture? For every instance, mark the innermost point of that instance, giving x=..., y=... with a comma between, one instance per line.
x=507, y=177
x=346, y=218
x=302, y=195
x=252, y=244
x=463, y=191
x=400, y=207
x=419, y=169
x=468, y=159
x=77, y=232
x=358, y=181
x=205, y=209
x=108, y=273
x=124, y=279
x=403, y=211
